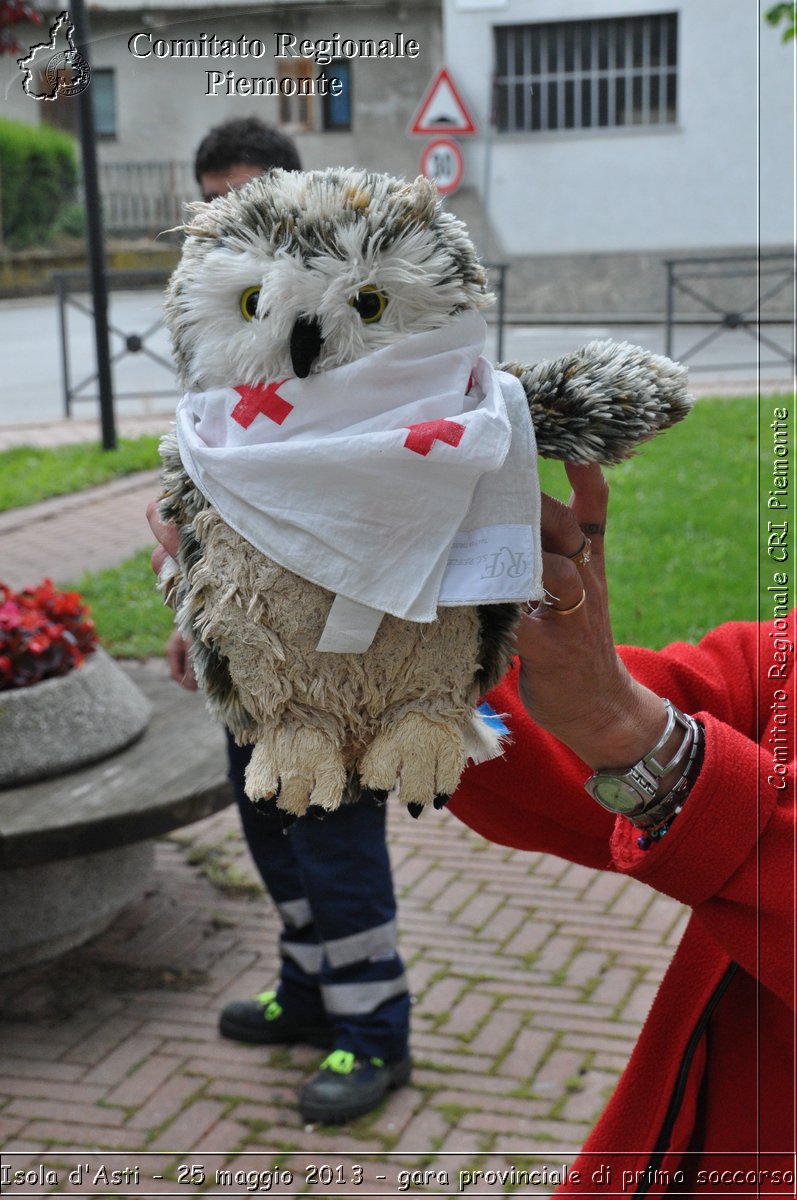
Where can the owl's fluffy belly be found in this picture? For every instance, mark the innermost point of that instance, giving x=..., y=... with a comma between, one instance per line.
x=266, y=622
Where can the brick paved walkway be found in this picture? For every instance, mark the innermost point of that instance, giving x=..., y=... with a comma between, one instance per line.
x=83, y=532
x=531, y=979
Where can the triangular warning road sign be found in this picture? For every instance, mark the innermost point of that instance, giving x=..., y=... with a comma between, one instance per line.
x=442, y=109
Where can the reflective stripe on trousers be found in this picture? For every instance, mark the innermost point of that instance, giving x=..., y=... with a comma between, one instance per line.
x=332, y=884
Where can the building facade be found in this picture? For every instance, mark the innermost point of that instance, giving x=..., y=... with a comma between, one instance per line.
x=610, y=134
x=615, y=133
x=162, y=76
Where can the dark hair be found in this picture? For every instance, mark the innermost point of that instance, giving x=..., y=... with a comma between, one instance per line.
x=245, y=140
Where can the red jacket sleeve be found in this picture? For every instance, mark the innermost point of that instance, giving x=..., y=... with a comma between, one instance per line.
x=730, y=853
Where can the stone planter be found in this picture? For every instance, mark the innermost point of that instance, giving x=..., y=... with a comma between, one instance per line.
x=48, y=909
x=63, y=723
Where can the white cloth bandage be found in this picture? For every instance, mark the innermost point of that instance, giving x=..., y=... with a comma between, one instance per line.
x=401, y=481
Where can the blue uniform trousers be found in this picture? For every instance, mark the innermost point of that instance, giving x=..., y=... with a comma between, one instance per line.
x=331, y=882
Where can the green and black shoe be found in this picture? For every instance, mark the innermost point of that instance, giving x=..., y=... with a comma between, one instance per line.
x=264, y=1020
x=347, y=1087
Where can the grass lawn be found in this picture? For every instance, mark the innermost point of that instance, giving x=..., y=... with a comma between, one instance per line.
x=682, y=533
x=130, y=615
x=682, y=543
x=30, y=473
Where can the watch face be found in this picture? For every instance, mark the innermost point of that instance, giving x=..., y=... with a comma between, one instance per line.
x=617, y=795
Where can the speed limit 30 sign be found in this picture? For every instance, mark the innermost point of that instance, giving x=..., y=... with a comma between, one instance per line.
x=441, y=162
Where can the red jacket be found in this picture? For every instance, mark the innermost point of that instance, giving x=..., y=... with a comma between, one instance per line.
x=713, y=1071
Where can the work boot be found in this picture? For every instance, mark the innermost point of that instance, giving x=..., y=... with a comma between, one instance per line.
x=264, y=1020
x=347, y=1087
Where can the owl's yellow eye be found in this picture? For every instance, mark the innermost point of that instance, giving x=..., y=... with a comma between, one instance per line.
x=370, y=303
x=248, y=303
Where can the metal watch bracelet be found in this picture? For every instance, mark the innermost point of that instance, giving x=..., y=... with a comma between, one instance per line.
x=634, y=792
x=659, y=811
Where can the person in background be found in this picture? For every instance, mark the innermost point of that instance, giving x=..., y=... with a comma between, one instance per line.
x=342, y=983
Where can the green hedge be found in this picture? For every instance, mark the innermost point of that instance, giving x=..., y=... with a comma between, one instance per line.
x=38, y=175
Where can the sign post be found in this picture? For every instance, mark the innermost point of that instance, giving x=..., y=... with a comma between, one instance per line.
x=442, y=162
x=442, y=111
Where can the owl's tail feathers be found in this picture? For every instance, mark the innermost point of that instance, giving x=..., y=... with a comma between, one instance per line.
x=599, y=403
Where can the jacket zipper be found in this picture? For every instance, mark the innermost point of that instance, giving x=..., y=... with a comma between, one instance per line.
x=663, y=1140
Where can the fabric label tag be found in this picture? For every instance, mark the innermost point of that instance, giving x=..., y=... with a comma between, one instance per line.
x=350, y=627
x=482, y=561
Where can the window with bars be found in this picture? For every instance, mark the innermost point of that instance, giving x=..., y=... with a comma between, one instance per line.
x=596, y=74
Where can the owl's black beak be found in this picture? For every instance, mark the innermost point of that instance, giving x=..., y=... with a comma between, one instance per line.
x=306, y=343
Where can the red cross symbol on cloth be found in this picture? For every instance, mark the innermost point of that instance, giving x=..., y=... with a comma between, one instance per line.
x=423, y=436
x=263, y=399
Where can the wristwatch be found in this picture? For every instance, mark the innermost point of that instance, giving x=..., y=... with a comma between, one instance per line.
x=634, y=792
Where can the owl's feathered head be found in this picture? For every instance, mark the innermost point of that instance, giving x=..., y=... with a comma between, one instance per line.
x=299, y=272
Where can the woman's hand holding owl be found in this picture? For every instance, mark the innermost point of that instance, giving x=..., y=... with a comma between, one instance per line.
x=572, y=681
x=168, y=537
x=177, y=648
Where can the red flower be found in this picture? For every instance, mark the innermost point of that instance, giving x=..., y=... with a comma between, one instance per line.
x=43, y=633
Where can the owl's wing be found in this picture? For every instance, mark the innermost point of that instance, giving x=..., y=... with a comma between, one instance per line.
x=599, y=403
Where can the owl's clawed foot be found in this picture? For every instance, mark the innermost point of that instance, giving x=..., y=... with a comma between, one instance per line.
x=426, y=756
x=299, y=767
x=416, y=810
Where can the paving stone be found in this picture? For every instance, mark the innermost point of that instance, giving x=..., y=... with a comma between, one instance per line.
x=637, y=1005
x=587, y=965
x=121, y=1061
x=559, y=1136
x=36, y=1068
x=490, y=1085
x=587, y=1102
x=22, y=1152
x=468, y=1013
x=471, y=1100
x=531, y=935
x=497, y=1033
x=263, y=1095
x=478, y=910
x=165, y=1103
x=619, y=1046
x=442, y=995
x=59, y=1110
x=256, y=1072
x=528, y=1050
x=10, y=1127
x=226, y=1135
x=71, y=1134
x=47, y=1089
x=399, y=1109
x=424, y=1130
x=138, y=1087
x=615, y=986
x=25, y=1048
x=491, y=1122
x=188, y=1130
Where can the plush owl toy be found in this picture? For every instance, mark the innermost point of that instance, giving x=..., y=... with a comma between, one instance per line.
x=355, y=485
